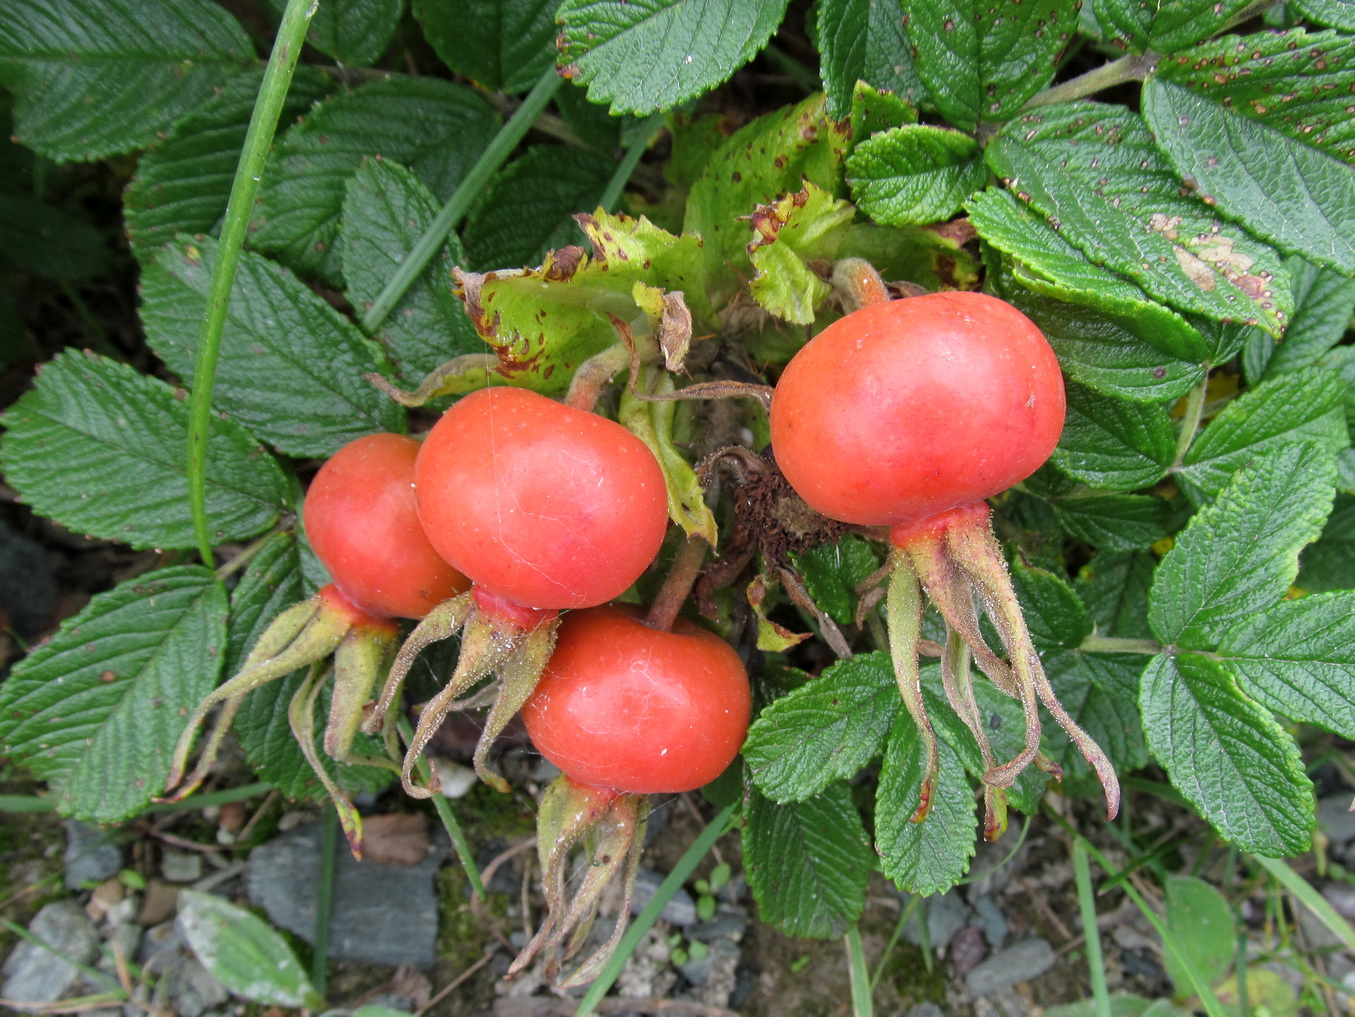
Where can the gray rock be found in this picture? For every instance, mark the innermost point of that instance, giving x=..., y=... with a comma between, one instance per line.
x=181, y=866
x=91, y=856
x=946, y=914
x=28, y=589
x=680, y=909
x=186, y=988
x=728, y=923
x=1335, y=819
x=992, y=921
x=37, y=975
x=383, y=914
x=721, y=975
x=1018, y=963
x=925, y=1010
x=1341, y=896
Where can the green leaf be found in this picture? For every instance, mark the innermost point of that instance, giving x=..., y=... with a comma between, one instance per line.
x=930, y=856
x=641, y=56
x=48, y=241
x=1297, y=659
x=529, y=207
x=1331, y=13
x=1051, y=266
x=807, y=862
x=1115, y=589
x=1239, y=555
x=545, y=322
x=1204, y=925
x=1165, y=27
x=97, y=710
x=1297, y=406
x=505, y=45
x=183, y=181
x=353, y=32
x=435, y=128
x=832, y=573
x=1227, y=755
x=1294, y=82
x=1114, y=444
x=1300, y=199
x=1329, y=563
x=97, y=77
x=385, y=211
x=1325, y=302
x=101, y=449
x=274, y=582
x=1115, y=522
x=824, y=731
x=915, y=174
x=776, y=154
x=244, y=953
x=291, y=366
x=1100, y=693
x=860, y=40
x=1095, y=172
x=1053, y=611
x=790, y=236
x=982, y=61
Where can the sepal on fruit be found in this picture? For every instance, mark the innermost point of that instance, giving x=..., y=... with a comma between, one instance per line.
x=610, y=828
x=307, y=634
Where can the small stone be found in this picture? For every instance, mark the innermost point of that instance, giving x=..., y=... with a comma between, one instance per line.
x=1018, y=963
x=1335, y=819
x=925, y=1010
x=967, y=949
x=91, y=855
x=728, y=923
x=37, y=975
x=159, y=903
x=946, y=914
x=680, y=909
x=382, y=914
x=734, y=890
x=721, y=975
x=454, y=779
x=992, y=921
x=185, y=988
x=181, y=866
x=1341, y=896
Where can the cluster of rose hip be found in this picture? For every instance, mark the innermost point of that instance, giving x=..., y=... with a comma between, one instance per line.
x=514, y=508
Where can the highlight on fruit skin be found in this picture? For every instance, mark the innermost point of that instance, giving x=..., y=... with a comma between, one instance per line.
x=909, y=414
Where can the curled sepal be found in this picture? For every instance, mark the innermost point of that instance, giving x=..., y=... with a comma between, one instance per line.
x=903, y=612
x=443, y=622
x=497, y=636
x=300, y=636
x=461, y=374
x=301, y=719
x=609, y=827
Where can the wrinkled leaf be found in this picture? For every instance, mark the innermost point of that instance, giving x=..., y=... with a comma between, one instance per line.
x=1115, y=522
x=793, y=237
x=915, y=174
x=833, y=572
x=807, y=862
x=860, y=40
x=1110, y=443
x=101, y=449
x=97, y=710
x=503, y=44
x=353, y=32
x=1227, y=755
x=1165, y=27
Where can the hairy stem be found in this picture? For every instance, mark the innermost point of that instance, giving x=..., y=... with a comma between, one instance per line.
x=677, y=585
x=1132, y=67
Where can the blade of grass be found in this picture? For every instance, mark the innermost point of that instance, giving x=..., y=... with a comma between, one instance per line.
x=92, y=975
x=905, y=914
x=451, y=214
x=1170, y=942
x=1303, y=891
x=1091, y=931
x=444, y=811
x=263, y=124
x=686, y=865
x=324, y=898
x=639, y=144
x=860, y=977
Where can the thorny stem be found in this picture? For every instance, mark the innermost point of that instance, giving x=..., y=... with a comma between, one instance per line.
x=1132, y=67
x=1190, y=421
x=677, y=585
